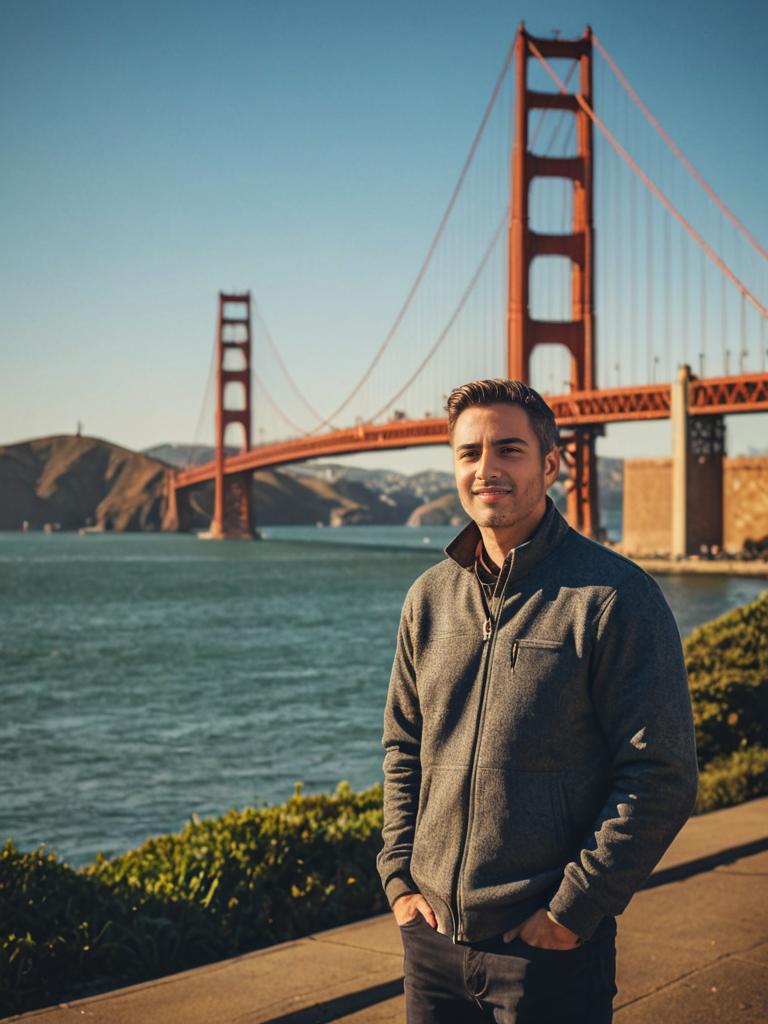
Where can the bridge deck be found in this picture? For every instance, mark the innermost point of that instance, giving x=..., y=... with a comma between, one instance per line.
x=713, y=396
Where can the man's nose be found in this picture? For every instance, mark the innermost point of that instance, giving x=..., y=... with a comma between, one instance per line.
x=486, y=468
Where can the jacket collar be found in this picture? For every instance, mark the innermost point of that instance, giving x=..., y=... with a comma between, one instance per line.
x=550, y=532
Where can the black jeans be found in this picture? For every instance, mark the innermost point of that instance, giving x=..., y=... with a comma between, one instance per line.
x=496, y=982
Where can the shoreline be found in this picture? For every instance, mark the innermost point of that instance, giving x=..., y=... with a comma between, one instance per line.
x=746, y=568
x=701, y=567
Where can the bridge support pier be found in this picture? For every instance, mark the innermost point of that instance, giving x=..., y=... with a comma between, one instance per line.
x=578, y=451
x=525, y=244
x=234, y=519
x=698, y=447
x=177, y=508
x=232, y=512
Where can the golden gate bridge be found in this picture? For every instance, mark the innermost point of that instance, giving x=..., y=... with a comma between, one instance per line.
x=529, y=256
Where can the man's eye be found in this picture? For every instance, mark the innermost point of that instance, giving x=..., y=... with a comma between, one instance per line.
x=514, y=451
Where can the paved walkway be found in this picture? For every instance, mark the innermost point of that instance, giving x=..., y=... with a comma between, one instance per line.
x=693, y=949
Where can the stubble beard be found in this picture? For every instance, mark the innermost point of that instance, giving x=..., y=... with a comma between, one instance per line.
x=519, y=509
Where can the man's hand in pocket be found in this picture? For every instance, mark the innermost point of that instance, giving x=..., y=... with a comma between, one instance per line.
x=407, y=908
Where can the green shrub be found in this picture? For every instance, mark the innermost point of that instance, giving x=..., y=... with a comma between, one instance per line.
x=266, y=874
x=222, y=886
x=732, y=779
x=727, y=662
x=66, y=934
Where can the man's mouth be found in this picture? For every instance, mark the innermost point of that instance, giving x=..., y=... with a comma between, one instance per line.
x=491, y=494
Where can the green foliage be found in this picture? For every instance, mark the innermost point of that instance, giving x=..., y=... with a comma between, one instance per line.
x=732, y=779
x=727, y=662
x=65, y=934
x=221, y=887
x=265, y=874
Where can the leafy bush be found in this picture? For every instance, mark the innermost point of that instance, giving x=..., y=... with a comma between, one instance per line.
x=265, y=874
x=732, y=779
x=222, y=886
x=727, y=662
x=66, y=934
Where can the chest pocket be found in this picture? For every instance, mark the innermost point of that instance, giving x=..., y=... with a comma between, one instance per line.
x=533, y=645
x=541, y=681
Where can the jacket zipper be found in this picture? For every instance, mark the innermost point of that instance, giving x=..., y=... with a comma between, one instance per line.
x=515, y=652
x=490, y=630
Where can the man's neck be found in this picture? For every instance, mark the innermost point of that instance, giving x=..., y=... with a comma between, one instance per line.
x=500, y=540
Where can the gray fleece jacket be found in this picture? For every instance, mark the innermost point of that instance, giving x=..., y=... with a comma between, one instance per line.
x=539, y=755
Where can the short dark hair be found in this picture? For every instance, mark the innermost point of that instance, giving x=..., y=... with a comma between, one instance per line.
x=500, y=391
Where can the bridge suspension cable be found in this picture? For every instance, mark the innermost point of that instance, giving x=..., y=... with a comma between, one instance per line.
x=650, y=184
x=557, y=119
x=554, y=136
x=451, y=321
x=724, y=209
x=281, y=363
x=433, y=245
x=264, y=393
x=204, y=405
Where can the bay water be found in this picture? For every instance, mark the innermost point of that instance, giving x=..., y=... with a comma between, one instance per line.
x=146, y=677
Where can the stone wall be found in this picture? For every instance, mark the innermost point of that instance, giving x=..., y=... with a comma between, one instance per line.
x=647, y=506
x=648, y=503
x=745, y=500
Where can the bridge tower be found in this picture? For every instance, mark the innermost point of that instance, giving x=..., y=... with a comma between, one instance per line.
x=232, y=514
x=525, y=244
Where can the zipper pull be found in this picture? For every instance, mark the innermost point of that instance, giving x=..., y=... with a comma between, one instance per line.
x=487, y=628
x=515, y=649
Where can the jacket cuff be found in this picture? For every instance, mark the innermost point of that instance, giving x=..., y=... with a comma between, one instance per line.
x=399, y=885
x=576, y=911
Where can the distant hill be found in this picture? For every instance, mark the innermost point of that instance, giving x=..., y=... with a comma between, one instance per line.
x=72, y=482
x=283, y=497
x=443, y=511
x=69, y=482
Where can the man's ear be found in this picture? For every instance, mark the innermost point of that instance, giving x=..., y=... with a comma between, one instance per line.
x=552, y=465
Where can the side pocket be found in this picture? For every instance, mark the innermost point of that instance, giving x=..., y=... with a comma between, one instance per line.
x=564, y=807
x=559, y=813
x=441, y=818
x=426, y=778
x=518, y=832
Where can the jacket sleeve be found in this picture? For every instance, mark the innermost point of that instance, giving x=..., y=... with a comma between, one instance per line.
x=643, y=707
x=402, y=766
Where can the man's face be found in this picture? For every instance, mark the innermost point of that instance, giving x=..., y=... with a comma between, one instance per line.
x=501, y=475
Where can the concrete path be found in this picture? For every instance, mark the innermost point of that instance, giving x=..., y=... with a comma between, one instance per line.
x=693, y=949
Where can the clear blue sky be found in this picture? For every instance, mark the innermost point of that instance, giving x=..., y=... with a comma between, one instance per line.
x=156, y=152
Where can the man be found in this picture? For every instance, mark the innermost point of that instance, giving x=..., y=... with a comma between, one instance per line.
x=539, y=741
